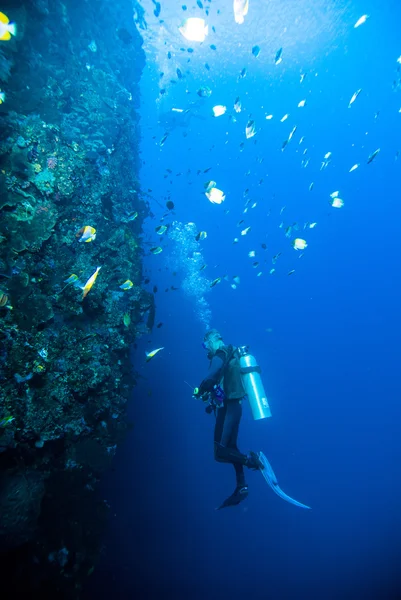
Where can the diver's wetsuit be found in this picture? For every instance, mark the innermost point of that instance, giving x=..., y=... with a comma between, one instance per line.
x=229, y=415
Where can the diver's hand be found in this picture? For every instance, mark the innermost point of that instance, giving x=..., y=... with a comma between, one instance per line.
x=198, y=395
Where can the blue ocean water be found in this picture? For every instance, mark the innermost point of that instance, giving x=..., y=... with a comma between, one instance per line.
x=327, y=337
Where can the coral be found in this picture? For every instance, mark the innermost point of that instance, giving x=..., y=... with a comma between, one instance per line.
x=35, y=224
x=68, y=158
x=45, y=181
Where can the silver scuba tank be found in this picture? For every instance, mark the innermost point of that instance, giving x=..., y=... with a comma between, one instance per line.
x=252, y=382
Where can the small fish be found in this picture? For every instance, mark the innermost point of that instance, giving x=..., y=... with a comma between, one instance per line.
x=194, y=29
x=256, y=51
x=204, y=92
x=212, y=47
x=236, y=279
x=169, y=205
x=268, y=117
x=237, y=105
x=71, y=279
x=152, y=353
x=215, y=282
x=165, y=136
x=299, y=244
x=6, y=420
x=353, y=168
x=354, y=97
x=373, y=155
x=159, y=325
x=126, y=319
x=361, y=21
x=2, y=97
x=272, y=271
x=127, y=285
x=301, y=104
x=7, y=29
x=203, y=267
x=284, y=118
x=88, y=285
x=250, y=129
x=302, y=78
x=202, y=235
x=291, y=272
x=3, y=299
x=252, y=253
x=278, y=58
x=242, y=73
x=131, y=217
x=156, y=250
x=215, y=195
x=245, y=231
x=241, y=8
x=86, y=234
x=336, y=202
x=311, y=186
x=209, y=185
x=179, y=73
x=219, y=110
x=160, y=229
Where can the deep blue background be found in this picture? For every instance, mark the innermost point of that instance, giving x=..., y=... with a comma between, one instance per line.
x=331, y=362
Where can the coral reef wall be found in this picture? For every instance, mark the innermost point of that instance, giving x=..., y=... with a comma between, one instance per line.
x=69, y=203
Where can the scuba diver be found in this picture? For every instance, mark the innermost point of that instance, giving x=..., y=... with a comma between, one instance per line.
x=223, y=391
x=181, y=117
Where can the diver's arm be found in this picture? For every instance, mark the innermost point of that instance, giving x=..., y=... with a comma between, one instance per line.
x=213, y=376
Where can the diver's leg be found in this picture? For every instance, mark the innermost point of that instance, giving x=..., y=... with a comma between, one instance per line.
x=223, y=451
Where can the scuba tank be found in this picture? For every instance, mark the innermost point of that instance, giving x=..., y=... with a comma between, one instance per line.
x=252, y=382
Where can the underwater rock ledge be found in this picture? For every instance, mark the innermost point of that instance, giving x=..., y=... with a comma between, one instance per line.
x=70, y=202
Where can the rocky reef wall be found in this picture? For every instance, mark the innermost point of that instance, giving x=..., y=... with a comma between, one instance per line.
x=69, y=137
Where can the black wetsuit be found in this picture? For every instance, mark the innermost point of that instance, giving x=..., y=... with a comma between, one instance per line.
x=229, y=415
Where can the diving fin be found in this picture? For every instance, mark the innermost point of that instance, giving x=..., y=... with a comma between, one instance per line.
x=240, y=493
x=271, y=480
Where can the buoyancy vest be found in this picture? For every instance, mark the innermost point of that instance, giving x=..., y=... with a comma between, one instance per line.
x=231, y=381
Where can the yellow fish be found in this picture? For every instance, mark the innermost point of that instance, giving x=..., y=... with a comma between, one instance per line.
x=86, y=234
x=88, y=285
x=299, y=244
x=7, y=29
x=215, y=195
x=127, y=285
x=150, y=355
